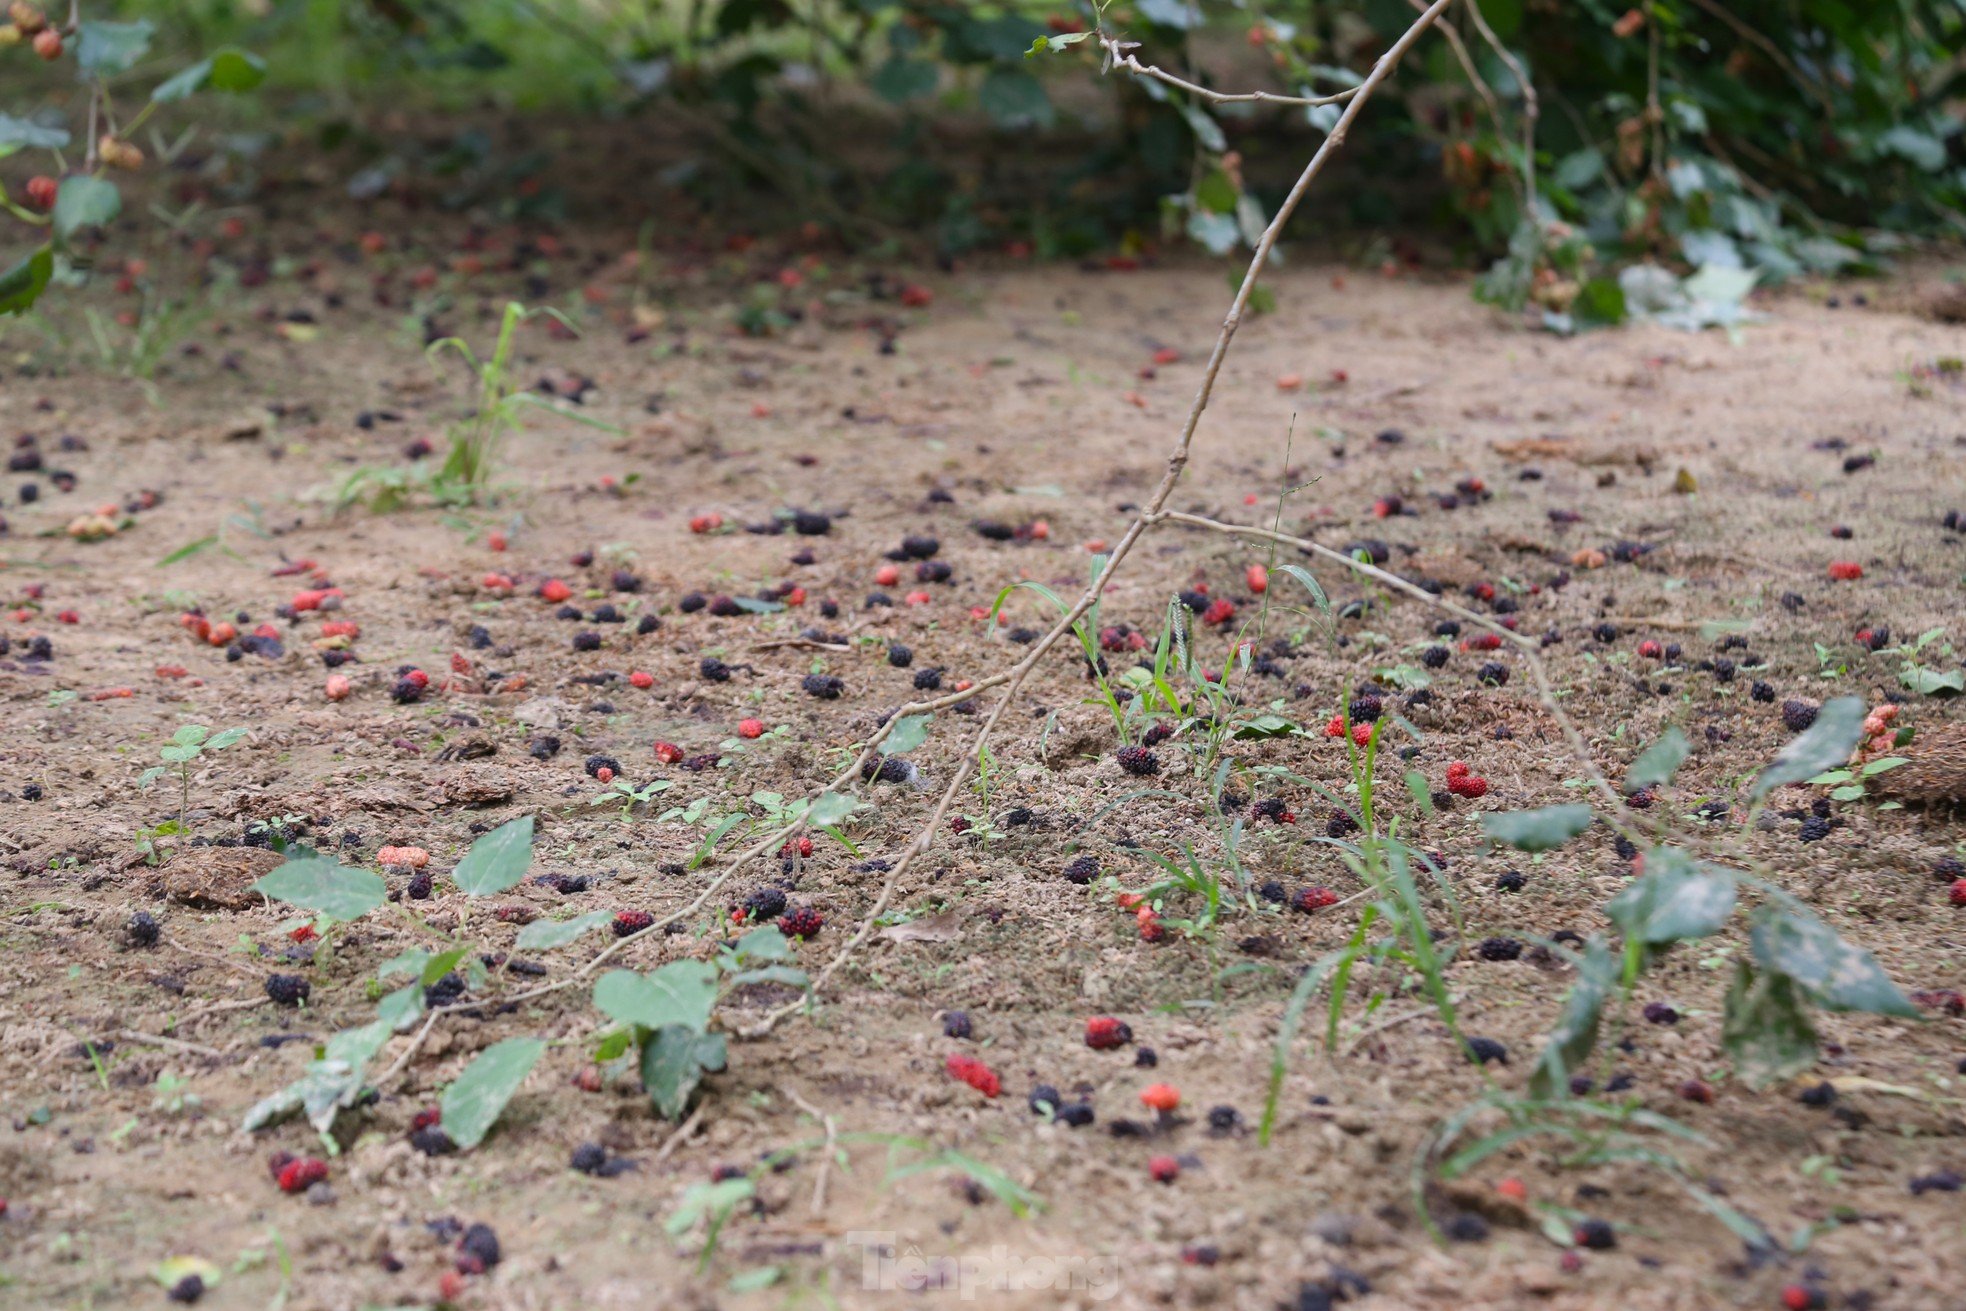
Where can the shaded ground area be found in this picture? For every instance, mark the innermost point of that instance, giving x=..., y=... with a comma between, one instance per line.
x=1673, y=480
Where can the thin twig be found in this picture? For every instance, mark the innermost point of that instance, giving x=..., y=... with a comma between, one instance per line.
x=1531, y=110
x=238, y=1004
x=174, y=1044
x=826, y=1159
x=1144, y=519
x=1117, y=57
x=683, y=1131
x=396, y=1066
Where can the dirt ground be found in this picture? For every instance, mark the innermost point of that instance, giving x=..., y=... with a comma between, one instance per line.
x=1018, y=395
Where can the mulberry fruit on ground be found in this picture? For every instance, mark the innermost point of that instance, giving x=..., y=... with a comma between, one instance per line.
x=974, y=1073
x=288, y=989
x=764, y=904
x=143, y=929
x=1082, y=870
x=1486, y=1051
x=431, y=1140
x=478, y=1250
x=1139, y=761
x=1499, y=949
x=1815, y=829
x=824, y=686
x=1105, y=1032
x=956, y=1024
x=1493, y=674
x=631, y=921
x=1313, y=899
x=1798, y=714
x=801, y=922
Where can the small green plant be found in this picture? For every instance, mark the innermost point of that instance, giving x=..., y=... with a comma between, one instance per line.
x=465, y=476
x=338, y=894
x=1849, y=783
x=171, y=1097
x=665, y=1016
x=187, y=746
x=629, y=796
x=1797, y=962
x=1922, y=678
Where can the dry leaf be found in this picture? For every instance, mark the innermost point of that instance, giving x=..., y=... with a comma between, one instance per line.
x=946, y=927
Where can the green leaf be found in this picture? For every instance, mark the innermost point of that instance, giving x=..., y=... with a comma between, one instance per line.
x=1658, y=762
x=1837, y=975
x=106, y=49
x=325, y=886
x=1310, y=584
x=674, y=1060
x=1885, y=765
x=496, y=861
x=710, y=1201
x=1676, y=900
x=902, y=79
x=1575, y=1034
x=472, y=1103
x=22, y=285
x=763, y=944
x=544, y=935
x=190, y=735
x=1538, y=830
x=1014, y=99
x=220, y=741
x=906, y=735
x=832, y=808
x=1930, y=682
x=1579, y=168
x=401, y=1008
x=1420, y=790
x=1765, y=1027
x=788, y=975
x=24, y=132
x=681, y=993
x=441, y=964
x=1923, y=149
x=1827, y=744
x=230, y=69
x=83, y=202
x=332, y=1081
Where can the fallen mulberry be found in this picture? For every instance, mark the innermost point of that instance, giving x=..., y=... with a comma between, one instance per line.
x=288, y=989
x=801, y=922
x=1104, y=1033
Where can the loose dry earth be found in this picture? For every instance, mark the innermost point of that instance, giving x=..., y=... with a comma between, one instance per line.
x=1017, y=396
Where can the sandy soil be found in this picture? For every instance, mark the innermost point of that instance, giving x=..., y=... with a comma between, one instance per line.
x=1019, y=395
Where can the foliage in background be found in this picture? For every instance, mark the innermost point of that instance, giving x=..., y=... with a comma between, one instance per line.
x=1751, y=139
